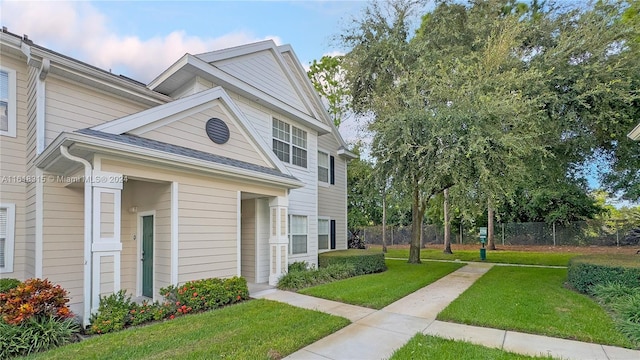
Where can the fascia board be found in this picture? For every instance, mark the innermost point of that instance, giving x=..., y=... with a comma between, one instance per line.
x=137, y=120
x=635, y=133
x=169, y=72
x=222, y=78
x=69, y=68
x=236, y=51
x=325, y=114
x=81, y=141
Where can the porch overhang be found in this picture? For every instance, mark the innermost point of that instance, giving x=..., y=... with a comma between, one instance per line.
x=85, y=146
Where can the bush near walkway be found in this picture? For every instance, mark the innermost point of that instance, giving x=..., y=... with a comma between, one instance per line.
x=117, y=311
x=363, y=261
x=590, y=270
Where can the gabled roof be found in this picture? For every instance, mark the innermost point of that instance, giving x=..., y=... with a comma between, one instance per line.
x=86, y=142
x=183, y=151
x=218, y=68
x=635, y=133
x=141, y=122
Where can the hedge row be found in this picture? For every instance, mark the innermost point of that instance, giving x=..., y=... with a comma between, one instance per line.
x=586, y=271
x=300, y=278
x=363, y=261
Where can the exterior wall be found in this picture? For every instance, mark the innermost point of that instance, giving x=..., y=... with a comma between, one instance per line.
x=71, y=106
x=207, y=217
x=332, y=199
x=302, y=201
x=262, y=234
x=248, y=236
x=63, y=239
x=262, y=71
x=146, y=197
x=190, y=132
x=13, y=168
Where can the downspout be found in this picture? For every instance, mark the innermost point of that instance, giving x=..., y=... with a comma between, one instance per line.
x=88, y=224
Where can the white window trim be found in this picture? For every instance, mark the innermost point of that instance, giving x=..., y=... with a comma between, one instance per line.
x=320, y=182
x=10, y=239
x=290, y=235
x=328, y=219
x=12, y=103
x=290, y=142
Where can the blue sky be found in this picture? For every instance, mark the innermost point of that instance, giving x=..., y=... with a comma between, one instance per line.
x=141, y=38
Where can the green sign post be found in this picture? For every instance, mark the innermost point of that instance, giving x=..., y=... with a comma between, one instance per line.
x=483, y=240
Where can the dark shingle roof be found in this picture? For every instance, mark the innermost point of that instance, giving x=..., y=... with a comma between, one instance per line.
x=183, y=151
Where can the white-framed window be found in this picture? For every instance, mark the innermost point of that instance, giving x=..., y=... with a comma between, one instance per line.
x=323, y=233
x=323, y=167
x=298, y=231
x=7, y=236
x=8, y=102
x=289, y=143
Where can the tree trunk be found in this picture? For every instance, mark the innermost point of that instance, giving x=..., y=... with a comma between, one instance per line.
x=447, y=224
x=491, y=245
x=416, y=226
x=384, y=221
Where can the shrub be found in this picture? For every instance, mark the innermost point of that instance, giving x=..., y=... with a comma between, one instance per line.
x=301, y=279
x=363, y=261
x=206, y=294
x=34, y=298
x=114, y=313
x=587, y=271
x=624, y=303
x=8, y=284
x=298, y=266
x=36, y=334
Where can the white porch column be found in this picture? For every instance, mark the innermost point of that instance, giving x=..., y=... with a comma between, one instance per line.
x=106, y=244
x=278, y=238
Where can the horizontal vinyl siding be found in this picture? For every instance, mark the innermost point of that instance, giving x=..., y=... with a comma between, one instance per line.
x=207, y=217
x=262, y=71
x=63, y=239
x=332, y=199
x=13, y=164
x=190, y=132
x=248, y=241
x=71, y=106
x=212, y=258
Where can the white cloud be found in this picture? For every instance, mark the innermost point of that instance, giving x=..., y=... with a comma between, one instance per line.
x=79, y=30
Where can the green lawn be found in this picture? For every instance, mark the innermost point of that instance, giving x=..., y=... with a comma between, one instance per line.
x=379, y=290
x=430, y=347
x=257, y=329
x=533, y=300
x=495, y=256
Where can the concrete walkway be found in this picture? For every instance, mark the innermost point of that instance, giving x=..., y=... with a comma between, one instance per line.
x=376, y=334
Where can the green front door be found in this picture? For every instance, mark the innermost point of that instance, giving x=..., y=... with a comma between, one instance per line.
x=147, y=256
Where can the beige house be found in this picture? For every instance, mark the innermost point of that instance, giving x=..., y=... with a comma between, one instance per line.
x=635, y=133
x=226, y=164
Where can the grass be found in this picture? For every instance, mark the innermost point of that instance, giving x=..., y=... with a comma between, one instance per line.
x=611, y=260
x=533, y=300
x=257, y=329
x=379, y=290
x=430, y=347
x=495, y=256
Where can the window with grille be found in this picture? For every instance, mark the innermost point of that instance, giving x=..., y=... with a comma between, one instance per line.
x=323, y=166
x=7, y=227
x=298, y=234
x=323, y=234
x=7, y=101
x=289, y=143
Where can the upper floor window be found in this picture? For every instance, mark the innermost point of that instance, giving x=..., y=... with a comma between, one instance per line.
x=323, y=166
x=7, y=101
x=289, y=143
x=326, y=168
x=7, y=228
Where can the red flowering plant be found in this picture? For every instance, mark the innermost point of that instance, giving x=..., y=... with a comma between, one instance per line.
x=34, y=298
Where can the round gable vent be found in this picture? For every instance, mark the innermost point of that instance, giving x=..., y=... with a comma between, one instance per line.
x=217, y=131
